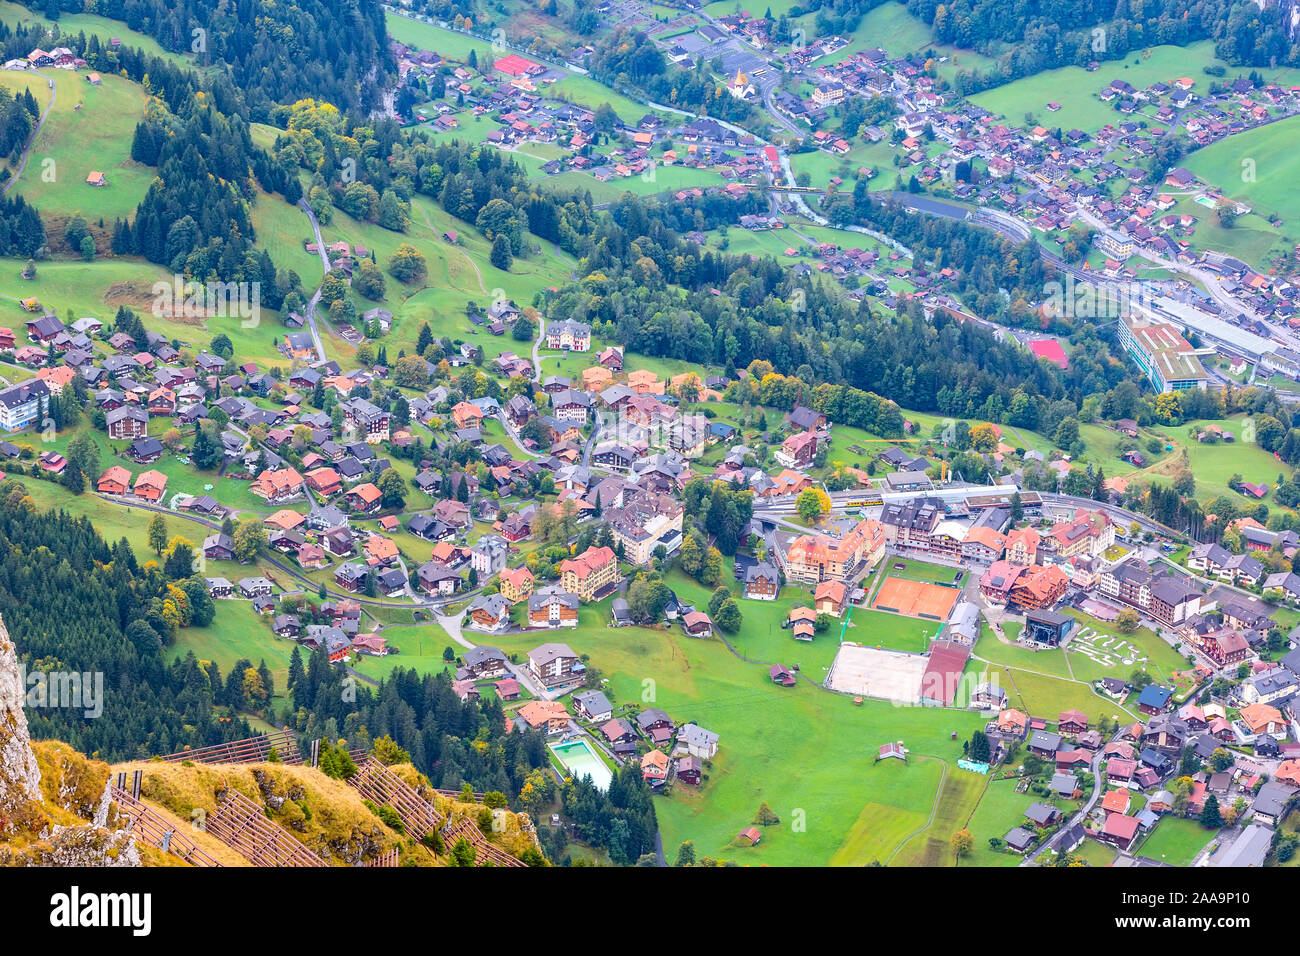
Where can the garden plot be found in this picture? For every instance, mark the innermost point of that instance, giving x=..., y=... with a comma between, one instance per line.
x=1106, y=649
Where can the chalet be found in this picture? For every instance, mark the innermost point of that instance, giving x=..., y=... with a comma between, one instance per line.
x=555, y=664
x=552, y=607
x=695, y=740
x=1072, y=722
x=364, y=498
x=697, y=624
x=490, y=613
x=115, y=480
x=1119, y=830
x=219, y=587
x=219, y=547
x=1154, y=699
x=654, y=769
x=762, y=582
x=593, y=706
x=434, y=578
x=150, y=485
x=688, y=769
x=485, y=663
x=277, y=485
x=145, y=450
x=286, y=625
x=127, y=422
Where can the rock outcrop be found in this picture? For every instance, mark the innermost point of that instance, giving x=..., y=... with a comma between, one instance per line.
x=58, y=817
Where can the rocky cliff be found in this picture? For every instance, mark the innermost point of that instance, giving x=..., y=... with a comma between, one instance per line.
x=54, y=809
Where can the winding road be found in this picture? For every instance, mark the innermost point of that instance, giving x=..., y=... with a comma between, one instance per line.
x=36, y=131
x=325, y=268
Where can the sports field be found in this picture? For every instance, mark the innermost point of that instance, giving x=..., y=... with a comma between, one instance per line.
x=916, y=598
x=869, y=672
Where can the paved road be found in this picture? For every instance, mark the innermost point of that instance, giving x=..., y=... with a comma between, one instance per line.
x=36, y=131
x=1079, y=817
x=325, y=267
x=537, y=348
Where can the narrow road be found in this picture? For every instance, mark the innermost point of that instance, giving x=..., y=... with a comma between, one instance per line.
x=325, y=268
x=36, y=131
x=1079, y=817
x=537, y=348
x=934, y=809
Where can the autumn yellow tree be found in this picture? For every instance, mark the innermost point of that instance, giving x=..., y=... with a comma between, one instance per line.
x=984, y=437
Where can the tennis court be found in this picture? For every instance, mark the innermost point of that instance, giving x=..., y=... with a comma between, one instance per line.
x=916, y=598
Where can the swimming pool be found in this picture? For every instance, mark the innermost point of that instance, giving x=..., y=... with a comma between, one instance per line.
x=581, y=760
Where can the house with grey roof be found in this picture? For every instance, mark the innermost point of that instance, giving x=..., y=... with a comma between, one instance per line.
x=694, y=739
x=592, y=705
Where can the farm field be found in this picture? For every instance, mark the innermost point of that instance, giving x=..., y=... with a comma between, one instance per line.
x=957, y=801
x=1076, y=89
x=426, y=36
x=703, y=682
x=586, y=92
x=1271, y=150
x=88, y=128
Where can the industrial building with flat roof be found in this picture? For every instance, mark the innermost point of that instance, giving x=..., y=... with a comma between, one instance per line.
x=1168, y=359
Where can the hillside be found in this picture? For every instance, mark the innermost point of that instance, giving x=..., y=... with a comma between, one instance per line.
x=59, y=808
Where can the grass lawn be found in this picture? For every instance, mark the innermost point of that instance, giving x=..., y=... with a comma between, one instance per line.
x=1175, y=841
x=1042, y=695
x=1076, y=89
x=89, y=128
x=961, y=794
x=999, y=810
x=418, y=646
x=894, y=632
x=1047, y=661
x=237, y=632
x=1096, y=854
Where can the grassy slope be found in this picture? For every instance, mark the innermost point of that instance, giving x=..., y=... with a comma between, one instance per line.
x=89, y=128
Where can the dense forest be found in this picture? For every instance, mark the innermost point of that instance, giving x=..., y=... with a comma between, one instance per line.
x=274, y=52
x=18, y=116
x=455, y=743
x=73, y=603
x=1028, y=36
x=195, y=218
x=644, y=286
x=22, y=233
